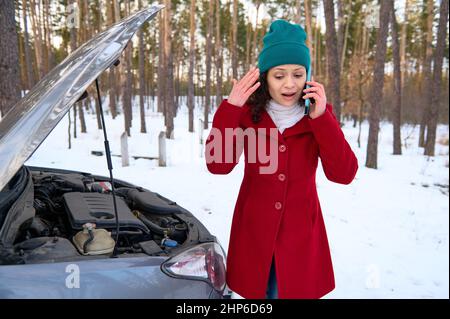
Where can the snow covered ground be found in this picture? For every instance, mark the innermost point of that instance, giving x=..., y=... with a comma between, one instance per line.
x=388, y=230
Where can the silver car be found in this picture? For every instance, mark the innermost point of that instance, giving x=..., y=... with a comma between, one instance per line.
x=68, y=234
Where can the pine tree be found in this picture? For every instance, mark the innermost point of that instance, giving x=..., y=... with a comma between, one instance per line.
x=9, y=58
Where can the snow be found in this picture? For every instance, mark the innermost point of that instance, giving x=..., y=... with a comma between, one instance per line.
x=388, y=230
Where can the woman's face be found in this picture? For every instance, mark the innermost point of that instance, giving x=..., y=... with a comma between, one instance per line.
x=286, y=83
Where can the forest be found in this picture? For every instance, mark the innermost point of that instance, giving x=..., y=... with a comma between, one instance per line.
x=379, y=60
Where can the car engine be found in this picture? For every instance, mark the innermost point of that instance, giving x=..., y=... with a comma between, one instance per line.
x=74, y=219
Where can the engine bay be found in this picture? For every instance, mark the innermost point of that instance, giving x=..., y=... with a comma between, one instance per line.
x=74, y=218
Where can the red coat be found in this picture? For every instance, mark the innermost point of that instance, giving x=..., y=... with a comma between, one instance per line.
x=279, y=214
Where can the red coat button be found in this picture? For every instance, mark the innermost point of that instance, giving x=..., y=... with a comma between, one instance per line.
x=281, y=177
x=278, y=205
x=282, y=148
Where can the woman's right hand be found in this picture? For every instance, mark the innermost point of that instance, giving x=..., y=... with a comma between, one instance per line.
x=242, y=90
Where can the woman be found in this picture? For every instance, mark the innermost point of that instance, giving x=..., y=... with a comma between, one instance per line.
x=278, y=243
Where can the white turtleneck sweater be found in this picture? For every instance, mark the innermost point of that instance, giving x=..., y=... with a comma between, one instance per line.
x=285, y=116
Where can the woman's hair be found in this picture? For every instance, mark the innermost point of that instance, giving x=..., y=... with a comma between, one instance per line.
x=259, y=99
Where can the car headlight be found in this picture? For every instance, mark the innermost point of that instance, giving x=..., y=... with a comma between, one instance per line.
x=205, y=262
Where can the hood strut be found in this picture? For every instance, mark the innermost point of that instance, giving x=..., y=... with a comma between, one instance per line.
x=110, y=167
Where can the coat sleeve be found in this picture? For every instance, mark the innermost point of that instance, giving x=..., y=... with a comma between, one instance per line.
x=220, y=154
x=338, y=160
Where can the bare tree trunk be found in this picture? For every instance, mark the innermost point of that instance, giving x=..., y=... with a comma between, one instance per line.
x=20, y=42
x=317, y=43
x=179, y=66
x=73, y=46
x=28, y=64
x=360, y=108
x=345, y=36
x=80, y=30
x=43, y=20
x=363, y=51
x=37, y=39
x=404, y=70
x=208, y=62
x=48, y=33
x=42, y=24
x=98, y=16
x=97, y=108
x=333, y=59
x=169, y=67
x=432, y=117
x=341, y=27
x=234, y=61
x=86, y=18
x=69, y=132
x=161, y=63
x=176, y=81
x=377, y=86
x=127, y=94
x=141, y=78
x=9, y=58
x=247, y=45
x=151, y=73
x=74, y=120
x=309, y=32
x=253, y=54
x=81, y=115
x=119, y=71
x=111, y=72
x=191, y=93
x=199, y=81
x=116, y=10
x=426, y=92
x=403, y=67
x=396, y=114
x=218, y=55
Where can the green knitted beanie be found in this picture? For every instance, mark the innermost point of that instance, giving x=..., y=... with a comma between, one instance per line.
x=284, y=44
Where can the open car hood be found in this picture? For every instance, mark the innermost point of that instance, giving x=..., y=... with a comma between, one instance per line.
x=32, y=119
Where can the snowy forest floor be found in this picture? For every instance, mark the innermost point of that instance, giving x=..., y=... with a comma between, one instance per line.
x=388, y=230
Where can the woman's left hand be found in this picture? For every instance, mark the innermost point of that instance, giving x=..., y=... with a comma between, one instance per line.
x=317, y=92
